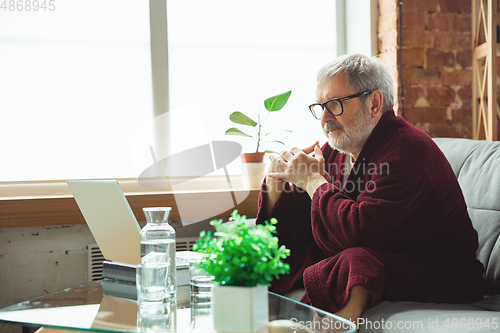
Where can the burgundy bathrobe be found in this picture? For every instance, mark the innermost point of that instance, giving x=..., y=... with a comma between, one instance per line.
x=399, y=227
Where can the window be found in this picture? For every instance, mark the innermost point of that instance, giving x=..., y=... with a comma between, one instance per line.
x=73, y=82
x=76, y=81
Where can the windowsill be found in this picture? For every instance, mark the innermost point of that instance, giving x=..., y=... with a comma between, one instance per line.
x=58, y=188
x=60, y=208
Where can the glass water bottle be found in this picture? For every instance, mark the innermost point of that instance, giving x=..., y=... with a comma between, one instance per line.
x=158, y=243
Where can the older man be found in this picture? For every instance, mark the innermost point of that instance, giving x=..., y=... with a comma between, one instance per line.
x=377, y=213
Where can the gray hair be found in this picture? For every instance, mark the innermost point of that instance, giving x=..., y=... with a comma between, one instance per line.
x=362, y=73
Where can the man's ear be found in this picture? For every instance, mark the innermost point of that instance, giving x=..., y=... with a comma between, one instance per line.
x=377, y=102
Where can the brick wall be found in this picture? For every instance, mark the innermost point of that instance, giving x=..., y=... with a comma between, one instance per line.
x=436, y=62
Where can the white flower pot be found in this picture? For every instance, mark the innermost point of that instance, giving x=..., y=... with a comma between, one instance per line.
x=240, y=309
x=252, y=174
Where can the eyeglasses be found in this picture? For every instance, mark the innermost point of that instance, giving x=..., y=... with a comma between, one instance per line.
x=333, y=106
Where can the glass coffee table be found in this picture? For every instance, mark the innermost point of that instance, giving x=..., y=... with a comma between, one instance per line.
x=85, y=308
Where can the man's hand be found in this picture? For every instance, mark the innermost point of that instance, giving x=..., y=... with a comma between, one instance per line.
x=277, y=161
x=275, y=185
x=297, y=167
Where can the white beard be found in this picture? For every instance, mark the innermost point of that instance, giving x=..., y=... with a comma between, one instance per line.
x=350, y=140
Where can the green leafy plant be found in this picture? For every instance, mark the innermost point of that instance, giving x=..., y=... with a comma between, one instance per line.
x=242, y=256
x=274, y=103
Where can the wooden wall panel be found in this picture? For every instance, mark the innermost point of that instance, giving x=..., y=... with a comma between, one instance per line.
x=16, y=213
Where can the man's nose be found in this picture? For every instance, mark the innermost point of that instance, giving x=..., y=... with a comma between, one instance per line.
x=326, y=116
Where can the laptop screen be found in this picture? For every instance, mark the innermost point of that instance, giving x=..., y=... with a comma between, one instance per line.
x=110, y=219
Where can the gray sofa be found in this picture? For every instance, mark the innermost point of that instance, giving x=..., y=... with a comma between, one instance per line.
x=477, y=166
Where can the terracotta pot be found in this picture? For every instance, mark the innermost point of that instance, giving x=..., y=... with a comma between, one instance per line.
x=252, y=157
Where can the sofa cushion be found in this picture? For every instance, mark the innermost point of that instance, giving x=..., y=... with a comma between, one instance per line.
x=477, y=167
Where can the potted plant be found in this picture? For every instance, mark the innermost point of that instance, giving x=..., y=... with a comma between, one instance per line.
x=243, y=262
x=253, y=163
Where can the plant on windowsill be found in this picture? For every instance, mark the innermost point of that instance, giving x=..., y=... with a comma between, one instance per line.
x=252, y=163
x=243, y=262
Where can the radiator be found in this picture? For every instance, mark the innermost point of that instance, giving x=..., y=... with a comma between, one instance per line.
x=94, y=263
x=96, y=258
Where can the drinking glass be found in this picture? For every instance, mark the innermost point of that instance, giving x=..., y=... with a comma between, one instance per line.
x=152, y=287
x=201, y=284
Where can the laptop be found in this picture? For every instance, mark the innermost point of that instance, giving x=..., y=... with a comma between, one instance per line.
x=110, y=219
